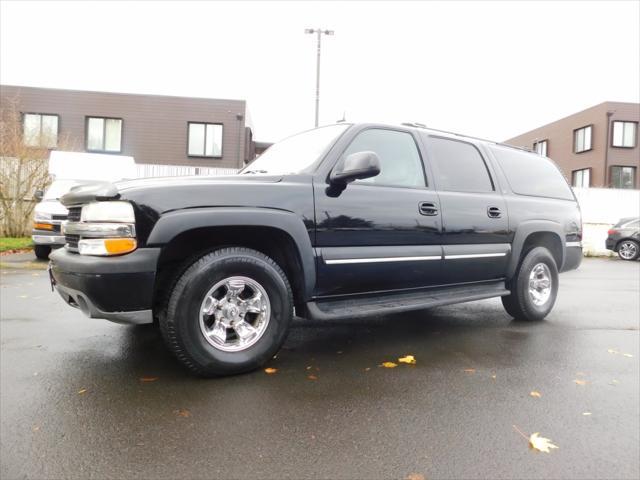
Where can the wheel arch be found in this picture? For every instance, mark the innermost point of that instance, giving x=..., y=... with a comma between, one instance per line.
x=537, y=234
x=278, y=234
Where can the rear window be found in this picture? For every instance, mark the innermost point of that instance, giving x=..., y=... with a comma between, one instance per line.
x=530, y=174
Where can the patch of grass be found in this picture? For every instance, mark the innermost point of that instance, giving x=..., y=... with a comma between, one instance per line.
x=15, y=243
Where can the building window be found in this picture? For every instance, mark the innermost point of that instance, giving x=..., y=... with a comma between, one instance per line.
x=205, y=139
x=581, y=178
x=623, y=177
x=582, y=139
x=40, y=130
x=624, y=134
x=540, y=147
x=104, y=134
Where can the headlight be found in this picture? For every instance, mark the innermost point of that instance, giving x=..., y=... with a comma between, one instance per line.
x=42, y=217
x=108, y=212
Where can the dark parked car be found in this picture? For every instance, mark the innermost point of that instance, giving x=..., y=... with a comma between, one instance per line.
x=341, y=221
x=624, y=238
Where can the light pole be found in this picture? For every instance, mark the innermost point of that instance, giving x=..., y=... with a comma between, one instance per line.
x=319, y=32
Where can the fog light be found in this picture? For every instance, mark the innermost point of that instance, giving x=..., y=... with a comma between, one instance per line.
x=43, y=226
x=107, y=246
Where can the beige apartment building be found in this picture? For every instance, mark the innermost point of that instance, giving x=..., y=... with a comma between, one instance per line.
x=597, y=147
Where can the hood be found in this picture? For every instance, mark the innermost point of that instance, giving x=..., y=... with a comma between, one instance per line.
x=98, y=191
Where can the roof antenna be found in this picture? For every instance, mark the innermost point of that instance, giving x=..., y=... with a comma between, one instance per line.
x=344, y=117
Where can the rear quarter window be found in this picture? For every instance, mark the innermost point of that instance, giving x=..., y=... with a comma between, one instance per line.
x=531, y=174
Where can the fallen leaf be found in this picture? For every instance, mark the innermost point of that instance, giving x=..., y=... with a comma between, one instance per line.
x=469, y=370
x=408, y=359
x=182, y=413
x=367, y=369
x=312, y=377
x=535, y=394
x=23, y=296
x=494, y=376
x=81, y=391
x=270, y=370
x=309, y=367
x=614, y=382
x=389, y=365
x=580, y=382
x=35, y=428
x=415, y=476
x=148, y=379
x=586, y=414
x=613, y=350
x=628, y=355
x=540, y=443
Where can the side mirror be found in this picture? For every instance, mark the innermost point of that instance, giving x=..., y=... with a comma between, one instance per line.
x=356, y=166
x=38, y=195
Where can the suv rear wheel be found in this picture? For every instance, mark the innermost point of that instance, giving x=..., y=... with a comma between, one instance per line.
x=534, y=288
x=628, y=250
x=228, y=313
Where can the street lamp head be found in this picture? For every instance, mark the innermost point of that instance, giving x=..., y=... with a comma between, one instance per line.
x=328, y=32
x=309, y=30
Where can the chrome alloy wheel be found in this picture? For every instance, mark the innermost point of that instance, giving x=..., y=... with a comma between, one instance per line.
x=234, y=314
x=628, y=250
x=540, y=284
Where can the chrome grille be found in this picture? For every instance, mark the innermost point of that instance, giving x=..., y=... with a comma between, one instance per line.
x=75, y=214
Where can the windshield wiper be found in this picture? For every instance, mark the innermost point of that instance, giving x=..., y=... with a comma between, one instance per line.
x=255, y=171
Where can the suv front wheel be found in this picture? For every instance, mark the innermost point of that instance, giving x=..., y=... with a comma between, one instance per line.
x=228, y=313
x=534, y=288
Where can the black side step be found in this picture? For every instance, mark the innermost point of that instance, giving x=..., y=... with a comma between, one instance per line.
x=382, y=304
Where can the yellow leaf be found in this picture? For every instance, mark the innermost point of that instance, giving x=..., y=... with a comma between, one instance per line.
x=469, y=370
x=536, y=394
x=580, y=382
x=613, y=350
x=81, y=391
x=586, y=414
x=409, y=359
x=312, y=377
x=389, y=365
x=270, y=370
x=628, y=355
x=415, y=476
x=35, y=428
x=182, y=412
x=494, y=376
x=148, y=379
x=540, y=443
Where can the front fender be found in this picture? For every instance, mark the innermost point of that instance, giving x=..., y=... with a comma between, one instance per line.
x=174, y=223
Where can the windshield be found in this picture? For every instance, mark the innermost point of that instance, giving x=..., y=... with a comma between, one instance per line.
x=294, y=154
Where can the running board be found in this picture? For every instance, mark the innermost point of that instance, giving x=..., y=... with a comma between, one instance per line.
x=382, y=304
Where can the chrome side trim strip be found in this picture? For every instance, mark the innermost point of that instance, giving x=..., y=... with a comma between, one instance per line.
x=574, y=244
x=474, y=255
x=343, y=261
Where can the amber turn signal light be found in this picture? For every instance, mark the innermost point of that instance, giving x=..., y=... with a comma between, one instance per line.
x=43, y=226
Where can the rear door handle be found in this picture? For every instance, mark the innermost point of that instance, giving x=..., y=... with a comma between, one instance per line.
x=428, y=208
x=494, y=212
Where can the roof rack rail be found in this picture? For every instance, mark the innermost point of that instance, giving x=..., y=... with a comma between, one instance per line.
x=422, y=125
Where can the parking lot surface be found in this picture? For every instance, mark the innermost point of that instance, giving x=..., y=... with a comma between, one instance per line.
x=83, y=398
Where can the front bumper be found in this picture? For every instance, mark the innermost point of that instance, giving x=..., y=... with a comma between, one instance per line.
x=47, y=237
x=119, y=289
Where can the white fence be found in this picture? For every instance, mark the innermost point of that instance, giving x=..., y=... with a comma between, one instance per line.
x=601, y=208
x=146, y=170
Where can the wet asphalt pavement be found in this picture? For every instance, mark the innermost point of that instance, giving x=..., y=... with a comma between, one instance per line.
x=452, y=415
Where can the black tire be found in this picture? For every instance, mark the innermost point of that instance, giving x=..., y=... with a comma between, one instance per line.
x=520, y=303
x=180, y=324
x=631, y=252
x=42, y=251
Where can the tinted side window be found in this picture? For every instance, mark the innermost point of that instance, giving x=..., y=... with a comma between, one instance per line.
x=400, y=164
x=459, y=165
x=530, y=174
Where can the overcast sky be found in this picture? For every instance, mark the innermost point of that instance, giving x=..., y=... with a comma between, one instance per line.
x=490, y=69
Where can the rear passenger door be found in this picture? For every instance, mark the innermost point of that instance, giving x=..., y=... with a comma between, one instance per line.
x=475, y=230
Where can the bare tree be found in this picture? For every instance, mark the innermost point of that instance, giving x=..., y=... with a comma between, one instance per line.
x=23, y=168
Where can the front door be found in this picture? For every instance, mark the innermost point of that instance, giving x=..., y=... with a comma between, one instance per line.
x=381, y=233
x=475, y=233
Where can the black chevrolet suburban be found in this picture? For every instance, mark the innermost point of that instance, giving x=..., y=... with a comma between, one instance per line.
x=340, y=221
